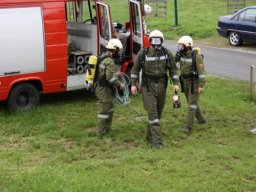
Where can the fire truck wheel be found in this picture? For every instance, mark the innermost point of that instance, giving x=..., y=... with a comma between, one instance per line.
x=23, y=97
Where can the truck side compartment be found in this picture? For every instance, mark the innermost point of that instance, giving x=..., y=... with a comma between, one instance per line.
x=36, y=49
x=56, y=47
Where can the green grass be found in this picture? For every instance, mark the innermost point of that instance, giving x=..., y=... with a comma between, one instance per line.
x=192, y=17
x=56, y=148
x=197, y=18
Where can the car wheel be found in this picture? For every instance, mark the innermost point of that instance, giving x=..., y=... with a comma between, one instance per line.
x=23, y=97
x=234, y=38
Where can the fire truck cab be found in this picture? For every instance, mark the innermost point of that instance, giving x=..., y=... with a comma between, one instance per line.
x=45, y=45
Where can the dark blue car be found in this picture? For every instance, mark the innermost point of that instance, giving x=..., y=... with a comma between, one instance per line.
x=239, y=27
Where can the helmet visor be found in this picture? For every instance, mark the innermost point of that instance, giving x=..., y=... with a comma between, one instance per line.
x=156, y=41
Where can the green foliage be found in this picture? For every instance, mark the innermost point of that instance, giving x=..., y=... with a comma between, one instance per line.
x=56, y=147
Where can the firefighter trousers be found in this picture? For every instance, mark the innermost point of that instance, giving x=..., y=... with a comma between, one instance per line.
x=154, y=105
x=106, y=109
x=194, y=110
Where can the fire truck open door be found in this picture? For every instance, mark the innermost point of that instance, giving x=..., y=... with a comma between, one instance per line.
x=136, y=25
x=104, y=23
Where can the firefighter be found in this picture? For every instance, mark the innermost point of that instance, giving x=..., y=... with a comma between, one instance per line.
x=156, y=63
x=105, y=80
x=192, y=79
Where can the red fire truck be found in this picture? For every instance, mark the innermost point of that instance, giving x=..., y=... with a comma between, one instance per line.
x=45, y=45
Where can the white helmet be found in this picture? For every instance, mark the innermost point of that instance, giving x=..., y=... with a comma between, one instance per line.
x=114, y=44
x=187, y=41
x=156, y=33
x=147, y=9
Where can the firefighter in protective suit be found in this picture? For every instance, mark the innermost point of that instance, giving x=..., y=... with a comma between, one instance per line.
x=192, y=79
x=105, y=80
x=156, y=63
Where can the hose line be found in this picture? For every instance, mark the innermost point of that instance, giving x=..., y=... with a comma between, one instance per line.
x=122, y=96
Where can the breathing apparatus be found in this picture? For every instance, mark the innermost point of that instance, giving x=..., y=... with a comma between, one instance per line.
x=115, y=46
x=182, y=49
x=91, y=71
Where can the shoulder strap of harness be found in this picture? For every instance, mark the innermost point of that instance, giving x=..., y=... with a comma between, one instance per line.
x=142, y=64
x=194, y=68
x=168, y=62
x=100, y=59
x=143, y=57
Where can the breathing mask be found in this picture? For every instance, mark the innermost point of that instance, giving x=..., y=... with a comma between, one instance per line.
x=182, y=49
x=118, y=57
x=156, y=42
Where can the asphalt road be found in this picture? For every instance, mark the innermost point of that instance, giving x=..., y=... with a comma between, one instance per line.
x=233, y=62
